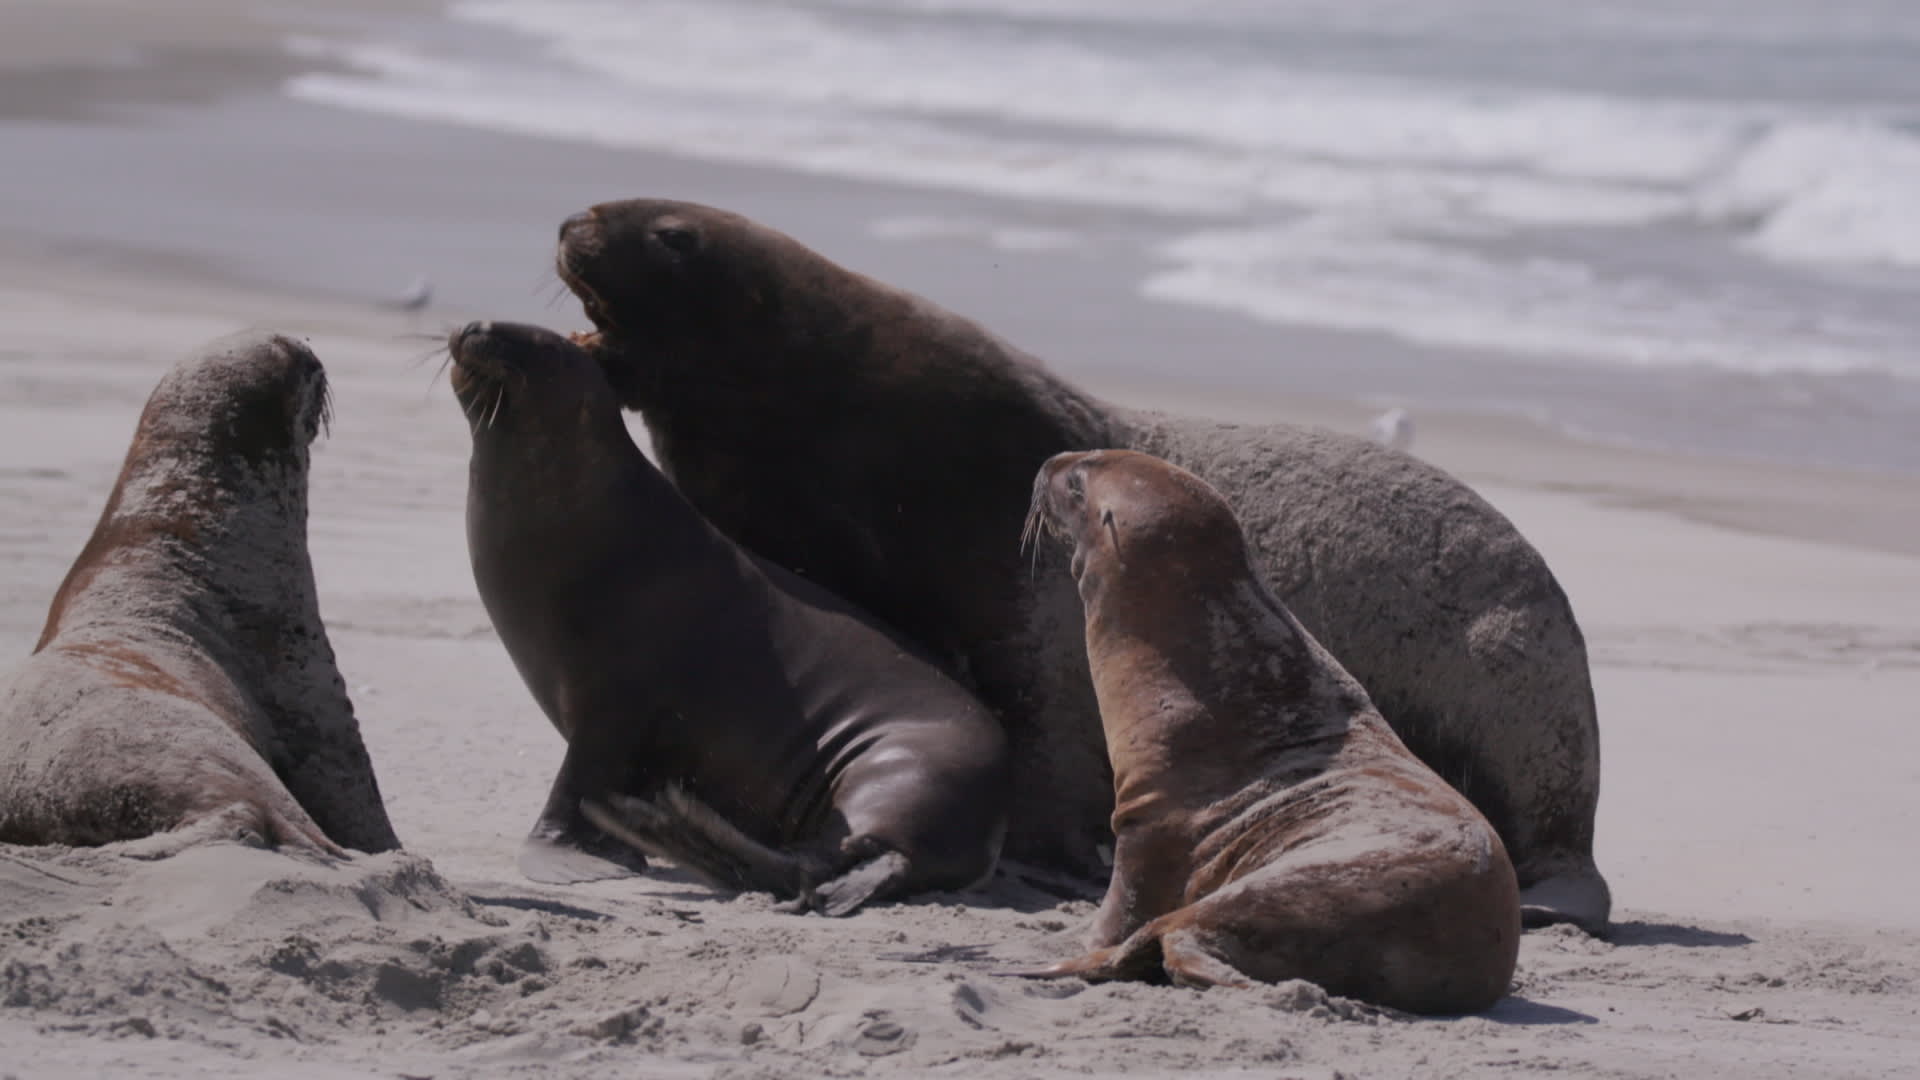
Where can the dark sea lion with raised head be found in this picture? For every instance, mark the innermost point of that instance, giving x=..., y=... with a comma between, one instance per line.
x=1268, y=824
x=884, y=447
x=718, y=710
x=184, y=687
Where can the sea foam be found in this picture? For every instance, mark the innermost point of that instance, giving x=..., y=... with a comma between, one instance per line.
x=1348, y=194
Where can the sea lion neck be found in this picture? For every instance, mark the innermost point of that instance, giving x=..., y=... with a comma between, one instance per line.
x=213, y=531
x=537, y=472
x=1218, y=651
x=204, y=547
x=827, y=341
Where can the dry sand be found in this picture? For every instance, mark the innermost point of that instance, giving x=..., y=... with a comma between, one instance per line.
x=1756, y=700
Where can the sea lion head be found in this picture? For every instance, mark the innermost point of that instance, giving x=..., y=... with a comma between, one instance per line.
x=687, y=294
x=1128, y=516
x=506, y=374
x=250, y=397
x=217, y=468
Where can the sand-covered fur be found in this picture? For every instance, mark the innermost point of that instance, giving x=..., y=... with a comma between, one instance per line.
x=183, y=680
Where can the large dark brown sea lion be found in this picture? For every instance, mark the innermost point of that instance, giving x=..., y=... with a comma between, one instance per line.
x=184, y=684
x=1268, y=824
x=718, y=710
x=884, y=447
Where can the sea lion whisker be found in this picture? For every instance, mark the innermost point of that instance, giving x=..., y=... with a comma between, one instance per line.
x=326, y=405
x=1028, y=547
x=1030, y=528
x=499, y=395
x=439, y=348
x=474, y=408
x=544, y=278
x=446, y=361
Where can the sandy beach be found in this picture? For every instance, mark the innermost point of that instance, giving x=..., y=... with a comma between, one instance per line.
x=1754, y=631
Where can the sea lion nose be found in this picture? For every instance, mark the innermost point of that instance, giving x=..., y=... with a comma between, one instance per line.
x=579, y=222
x=475, y=329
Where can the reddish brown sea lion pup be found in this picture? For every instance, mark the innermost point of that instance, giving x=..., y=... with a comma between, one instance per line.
x=884, y=447
x=1268, y=824
x=184, y=687
x=718, y=710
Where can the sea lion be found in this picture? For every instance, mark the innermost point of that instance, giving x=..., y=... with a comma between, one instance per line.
x=184, y=686
x=1268, y=824
x=756, y=729
x=884, y=447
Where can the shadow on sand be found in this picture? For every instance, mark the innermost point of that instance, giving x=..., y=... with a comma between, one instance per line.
x=534, y=903
x=1518, y=1011
x=1690, y=937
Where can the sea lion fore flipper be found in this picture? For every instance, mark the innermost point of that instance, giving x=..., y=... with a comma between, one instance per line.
x=679, y=827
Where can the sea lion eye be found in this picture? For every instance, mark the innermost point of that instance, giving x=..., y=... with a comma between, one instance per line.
x=675, y=238
x=1076, y=487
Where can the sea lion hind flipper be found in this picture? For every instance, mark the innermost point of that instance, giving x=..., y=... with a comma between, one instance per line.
x=1578, y=896
x=1188, y=963
x=1138, y=958
x=287, y=830
x=876, y=878
x=681, y=828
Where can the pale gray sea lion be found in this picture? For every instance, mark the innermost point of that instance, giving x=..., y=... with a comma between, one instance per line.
x=184, y=687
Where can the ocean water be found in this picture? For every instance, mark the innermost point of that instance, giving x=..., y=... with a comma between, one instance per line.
x=1716, y=196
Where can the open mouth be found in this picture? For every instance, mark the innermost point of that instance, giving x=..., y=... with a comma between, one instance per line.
x=590, y=301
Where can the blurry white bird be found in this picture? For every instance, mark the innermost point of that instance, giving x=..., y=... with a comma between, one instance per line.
x=1393, y=428
x=417, y=296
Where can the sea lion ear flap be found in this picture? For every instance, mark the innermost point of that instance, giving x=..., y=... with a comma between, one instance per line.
x=1113, y=532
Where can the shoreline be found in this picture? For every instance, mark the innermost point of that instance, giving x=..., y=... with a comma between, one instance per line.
x=1856, y=508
